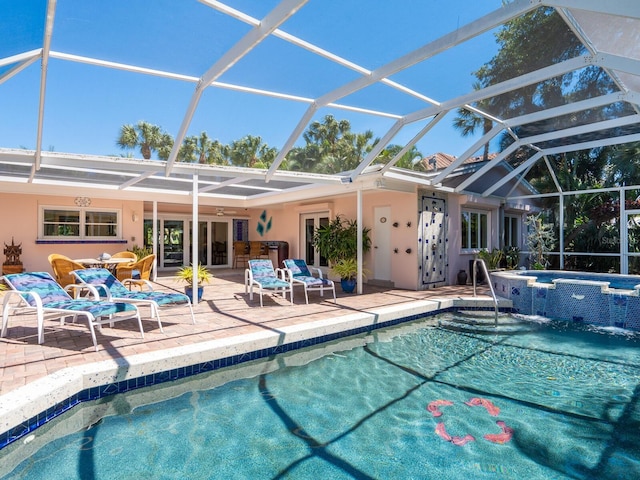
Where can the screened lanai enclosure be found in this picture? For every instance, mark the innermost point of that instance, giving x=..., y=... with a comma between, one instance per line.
x=246, y=103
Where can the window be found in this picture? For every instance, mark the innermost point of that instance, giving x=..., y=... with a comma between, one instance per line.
x=474, y=229
x=82, y=223
x=511, y=229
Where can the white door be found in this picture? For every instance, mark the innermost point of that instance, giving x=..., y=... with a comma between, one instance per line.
x=309, y=222
x=382, y=243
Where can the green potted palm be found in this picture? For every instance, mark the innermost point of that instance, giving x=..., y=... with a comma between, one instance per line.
x=338, y=242
x=185, y=274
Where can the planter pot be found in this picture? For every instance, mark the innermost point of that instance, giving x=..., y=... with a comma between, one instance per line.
x=348, y=285
x=189, y=292
x=462, y=277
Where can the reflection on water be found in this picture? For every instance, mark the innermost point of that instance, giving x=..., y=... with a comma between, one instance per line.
x=447, y=398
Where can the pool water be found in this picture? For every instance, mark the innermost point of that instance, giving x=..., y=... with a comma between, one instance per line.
x=624, y=282
x=553, y=400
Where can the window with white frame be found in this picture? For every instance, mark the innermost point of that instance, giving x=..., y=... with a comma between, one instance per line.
x=79, y=223
x=475, y=229
x=511, y=231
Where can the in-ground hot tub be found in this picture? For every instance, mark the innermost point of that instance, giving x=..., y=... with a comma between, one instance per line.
x=603, y=299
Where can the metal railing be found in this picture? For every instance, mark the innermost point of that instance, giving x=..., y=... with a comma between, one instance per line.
x=486, y=275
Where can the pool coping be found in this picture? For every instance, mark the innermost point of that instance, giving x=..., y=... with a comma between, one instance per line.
x=25, y=409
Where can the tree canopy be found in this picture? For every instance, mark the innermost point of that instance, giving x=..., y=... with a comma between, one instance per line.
x=330, y=147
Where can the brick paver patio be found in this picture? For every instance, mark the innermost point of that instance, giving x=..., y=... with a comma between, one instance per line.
x=225, y=311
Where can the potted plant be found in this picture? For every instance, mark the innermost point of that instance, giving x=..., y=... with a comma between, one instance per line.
x=491, y=258
x=347, y=270
x=186, y=275
x=338, y=242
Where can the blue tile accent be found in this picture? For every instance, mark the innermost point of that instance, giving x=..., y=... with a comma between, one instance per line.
x=95, y=393
x=84, y=242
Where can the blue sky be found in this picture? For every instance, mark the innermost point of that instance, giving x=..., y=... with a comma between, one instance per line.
x=86, y=105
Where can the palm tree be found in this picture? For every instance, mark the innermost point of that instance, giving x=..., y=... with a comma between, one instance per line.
x=149, y=138
x=250, y=151
x=411, y=160
x=202, y=149
x=468, y=122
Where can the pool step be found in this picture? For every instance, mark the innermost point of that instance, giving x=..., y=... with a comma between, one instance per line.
x=481, y=322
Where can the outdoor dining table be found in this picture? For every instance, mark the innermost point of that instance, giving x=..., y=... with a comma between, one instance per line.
x=110, y=264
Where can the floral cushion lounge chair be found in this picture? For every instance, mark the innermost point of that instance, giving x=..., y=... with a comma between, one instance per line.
x=262, y=275
x=300, y=273
x=112, y=289
x=39, y=292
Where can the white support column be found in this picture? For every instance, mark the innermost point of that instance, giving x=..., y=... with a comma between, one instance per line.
x=624, y=234
x=154, y=242
x=359, y=237
x=195, y=261
x=561, y=231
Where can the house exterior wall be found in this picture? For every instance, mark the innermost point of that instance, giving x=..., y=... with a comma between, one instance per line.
x=20, y=223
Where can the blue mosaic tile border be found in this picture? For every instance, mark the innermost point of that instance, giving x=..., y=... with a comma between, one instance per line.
x=70, y=241
x=95, y=393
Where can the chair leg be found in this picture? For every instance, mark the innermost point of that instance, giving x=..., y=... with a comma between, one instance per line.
x=155, y=311
x=90, y=319
x=193, y=318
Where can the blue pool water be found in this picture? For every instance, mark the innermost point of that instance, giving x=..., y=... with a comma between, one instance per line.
x=563, y=400
x=625, y=282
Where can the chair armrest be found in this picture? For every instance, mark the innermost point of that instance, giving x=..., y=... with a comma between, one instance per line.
x=282, y=274
x=8, y=294
x=287, y=274
x=75, y=289
x=317, y=270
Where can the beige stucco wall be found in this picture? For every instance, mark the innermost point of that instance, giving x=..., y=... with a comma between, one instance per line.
x=19, y=220
x=286, y=220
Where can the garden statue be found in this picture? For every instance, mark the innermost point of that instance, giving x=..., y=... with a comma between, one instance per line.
x=12, y=263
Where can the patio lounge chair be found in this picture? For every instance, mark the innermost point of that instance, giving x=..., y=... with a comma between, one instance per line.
x=39, y=292
x=262, y=275
x=113, y=290
x=299, y=272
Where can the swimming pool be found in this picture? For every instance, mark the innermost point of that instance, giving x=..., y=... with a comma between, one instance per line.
x=595, y=298
x=541, y=400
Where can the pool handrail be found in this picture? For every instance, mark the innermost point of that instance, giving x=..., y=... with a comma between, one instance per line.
x=486, y=275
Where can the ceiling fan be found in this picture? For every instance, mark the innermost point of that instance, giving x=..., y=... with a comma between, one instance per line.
x=221, y=212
